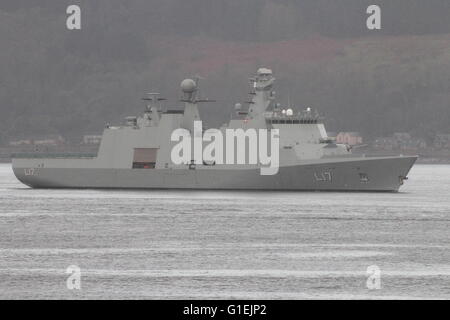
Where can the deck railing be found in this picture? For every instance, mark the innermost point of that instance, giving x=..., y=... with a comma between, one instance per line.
x=42, y=155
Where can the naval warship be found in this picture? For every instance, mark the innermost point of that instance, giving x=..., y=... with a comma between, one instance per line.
x=138, y=154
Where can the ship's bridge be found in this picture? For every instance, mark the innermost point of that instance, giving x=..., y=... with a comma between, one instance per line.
x=278, y=116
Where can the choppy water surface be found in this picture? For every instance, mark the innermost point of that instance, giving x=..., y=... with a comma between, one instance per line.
x=174, y=244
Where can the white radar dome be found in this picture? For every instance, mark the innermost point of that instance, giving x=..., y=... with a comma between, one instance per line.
x=188, y=85
x=289, y=112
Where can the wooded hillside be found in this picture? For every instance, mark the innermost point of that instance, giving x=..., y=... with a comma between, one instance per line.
x=53, y=80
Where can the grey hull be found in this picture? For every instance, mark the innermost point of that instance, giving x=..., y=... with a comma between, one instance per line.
x=363, y=174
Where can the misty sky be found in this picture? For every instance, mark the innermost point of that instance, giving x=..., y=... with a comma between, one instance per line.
x=53, y=80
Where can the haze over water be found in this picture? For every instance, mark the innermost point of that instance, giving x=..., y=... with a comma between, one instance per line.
x=189, y=244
